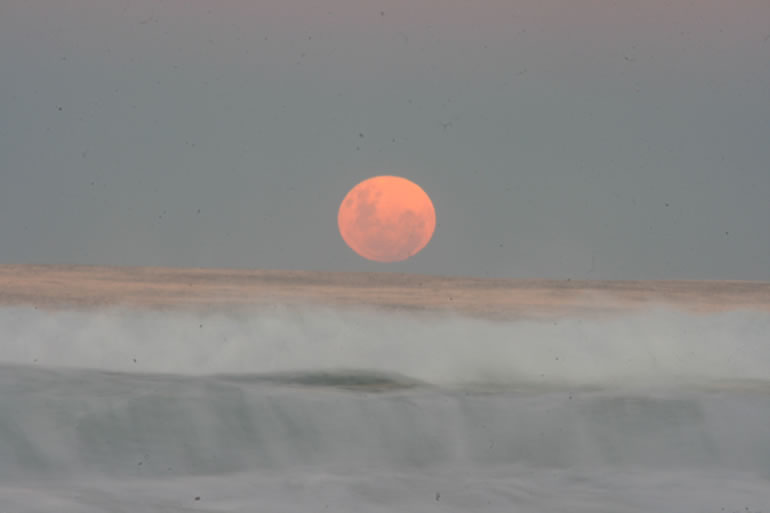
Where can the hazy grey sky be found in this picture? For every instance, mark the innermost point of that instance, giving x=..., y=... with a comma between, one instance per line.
x=557, y=138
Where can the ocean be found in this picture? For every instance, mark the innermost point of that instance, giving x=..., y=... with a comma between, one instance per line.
x=342, y=409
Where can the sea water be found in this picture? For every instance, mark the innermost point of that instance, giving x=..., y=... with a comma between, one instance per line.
x=290, y=409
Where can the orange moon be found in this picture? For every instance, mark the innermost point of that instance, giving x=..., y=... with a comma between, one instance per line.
x=386, y=219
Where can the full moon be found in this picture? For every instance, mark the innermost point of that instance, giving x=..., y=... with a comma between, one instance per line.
x=386, y=219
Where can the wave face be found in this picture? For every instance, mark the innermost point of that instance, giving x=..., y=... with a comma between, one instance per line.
x=317, y=409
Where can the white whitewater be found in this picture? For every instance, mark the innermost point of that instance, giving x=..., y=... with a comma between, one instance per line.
x=308, y=409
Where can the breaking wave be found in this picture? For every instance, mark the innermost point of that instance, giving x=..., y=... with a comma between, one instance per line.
x=650, y=347
x=306, y=408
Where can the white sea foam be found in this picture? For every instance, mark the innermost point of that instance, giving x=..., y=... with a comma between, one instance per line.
x=611, y=431
x=647, y=347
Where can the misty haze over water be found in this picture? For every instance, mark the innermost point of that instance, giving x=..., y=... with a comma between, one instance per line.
x=311, y=408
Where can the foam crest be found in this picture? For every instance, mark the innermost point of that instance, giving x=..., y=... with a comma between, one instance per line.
x=651, y=346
